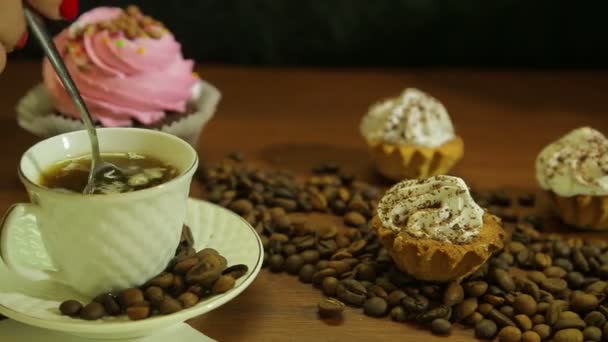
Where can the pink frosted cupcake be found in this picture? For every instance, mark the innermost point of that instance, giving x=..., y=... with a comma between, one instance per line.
x=131, y=73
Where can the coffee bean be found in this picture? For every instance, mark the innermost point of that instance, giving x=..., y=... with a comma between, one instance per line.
x=330, y=307
x=501, y=319
x=357, y=247
x=138, y=312
x=554, y=285
x=507, y=310
x=494, y=300
x=163, y=280
x=287, y=204
x=484, y=308
x=109, y=304
x=339, y=266
x=441, y=326
x=454, y=294
x=595, y=318
x=318, y=277
x=398, y=314
x=395, y=297
x=543, y=330
x=310, y=256
x=236, y=271
x=154, y=295
x=322, y=264
x=575, y=280
x=223, y=284
x=485, y=329
x=596, y=288
x=415, y=303
x=208, y=271
x=569, y=314
x=326, y=247
x=351, y=292
x=183, y=266
x=465, y=309
x=504, y=280
x=526, y=200
x=130, y=296
x=289, y=249
x=554, y=311
x=354, y=219
x=542, y=260
x=188, y=299
x=276, y=263
x=92, y=311
x=592, y=334
x=169, y=305
x=542, y=307
x=509, y=334
x=579, y=261
x=375, y=307
x=365, y=272
x=294, y=263
x=536, y=276
x=530, y=288
x=530, y=336
x=178, y=285
x=583, y=302
x=523, y=322
x=241, y=207
x=329, y=286
x=525, y=304
x=475, y=288
x=564, y=263
x=70, y=308
x=427, y=317
x=568, y=335
x=569, y=322
x=306, y=273
x=555, y=272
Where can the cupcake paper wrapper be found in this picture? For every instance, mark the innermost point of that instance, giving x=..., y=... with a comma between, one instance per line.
x=411, y=161
x=36, y=114
x=583, y=211
x=432, y=260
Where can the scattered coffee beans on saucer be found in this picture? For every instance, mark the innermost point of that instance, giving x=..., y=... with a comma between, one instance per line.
x=541, y=286
x=190, y=278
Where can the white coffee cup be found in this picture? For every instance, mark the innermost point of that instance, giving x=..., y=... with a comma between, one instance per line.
x=102, y=243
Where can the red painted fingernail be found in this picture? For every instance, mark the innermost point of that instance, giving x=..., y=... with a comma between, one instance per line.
x=69, y=9
x=22, y=41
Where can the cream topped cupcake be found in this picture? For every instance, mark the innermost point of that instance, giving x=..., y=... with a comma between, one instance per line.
x=434, y=230
x=411, y=136
x=574, y=170
x=130, y=71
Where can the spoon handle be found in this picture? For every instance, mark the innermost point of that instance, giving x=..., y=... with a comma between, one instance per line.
x=37, y=27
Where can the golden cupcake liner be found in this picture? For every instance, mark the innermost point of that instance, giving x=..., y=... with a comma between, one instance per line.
x=583, y=211
x=432, y=260
x=400, y=162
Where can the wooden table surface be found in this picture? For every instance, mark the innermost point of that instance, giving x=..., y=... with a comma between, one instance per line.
x=295, y=118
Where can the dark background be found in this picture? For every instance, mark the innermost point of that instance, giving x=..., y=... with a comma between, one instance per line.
x=496, y=33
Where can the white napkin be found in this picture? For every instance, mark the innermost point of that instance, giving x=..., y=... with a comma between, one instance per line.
x=13, y=331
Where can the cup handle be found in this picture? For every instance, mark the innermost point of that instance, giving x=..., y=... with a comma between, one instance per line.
x=21, y=246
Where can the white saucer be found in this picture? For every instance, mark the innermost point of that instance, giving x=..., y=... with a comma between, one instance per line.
x=37, y=303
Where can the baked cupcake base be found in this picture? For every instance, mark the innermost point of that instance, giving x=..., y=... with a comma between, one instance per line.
x=432, y=260
x=583, y=211
x=399, y=162
x=37, y=114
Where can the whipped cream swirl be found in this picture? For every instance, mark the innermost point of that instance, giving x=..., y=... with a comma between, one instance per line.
x=439, y=208
x=576, y=164
x=412, y=118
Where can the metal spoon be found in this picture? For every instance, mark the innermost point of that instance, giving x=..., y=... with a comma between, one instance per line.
x=101, y=171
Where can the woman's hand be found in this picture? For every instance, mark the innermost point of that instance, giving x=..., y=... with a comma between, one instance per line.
x=13, y=31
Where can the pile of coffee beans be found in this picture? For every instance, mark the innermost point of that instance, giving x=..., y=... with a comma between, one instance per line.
x=190, y=278
x=540, y=287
